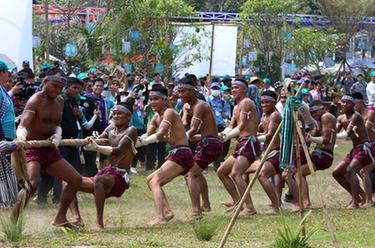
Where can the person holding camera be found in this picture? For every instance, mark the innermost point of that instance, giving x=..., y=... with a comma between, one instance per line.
x=8, y=182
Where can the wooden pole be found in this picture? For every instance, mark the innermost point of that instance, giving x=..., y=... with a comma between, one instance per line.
x=248, y=189
x=211, y=52
x=299, y=174
x=47, y=30
x=241, y=49
x=330, y=226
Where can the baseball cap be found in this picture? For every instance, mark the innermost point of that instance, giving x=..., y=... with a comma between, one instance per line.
x=82, y=76
x=266, y=81
x=215, y=84
x=3, y=66
x=372, y=74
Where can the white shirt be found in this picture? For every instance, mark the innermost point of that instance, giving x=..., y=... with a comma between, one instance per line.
x=370, y=91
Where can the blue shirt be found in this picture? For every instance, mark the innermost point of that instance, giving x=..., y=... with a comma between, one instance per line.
x=7, y=115
x=220, y=108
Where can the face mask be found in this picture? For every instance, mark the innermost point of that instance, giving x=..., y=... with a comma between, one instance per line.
x=216, y=93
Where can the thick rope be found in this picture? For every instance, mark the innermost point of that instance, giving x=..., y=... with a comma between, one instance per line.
x=64, y=142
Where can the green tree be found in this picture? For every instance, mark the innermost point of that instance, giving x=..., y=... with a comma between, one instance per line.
x=311, y=46
x=265, y=27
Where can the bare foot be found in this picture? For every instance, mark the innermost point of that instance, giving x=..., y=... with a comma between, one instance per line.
x=65, y=224
x=227, y=204
x=98, y=227
x=273, y=210
x=206, y=208
x=353, y=206
x=169, y=216
x=295, y=208
x=368, y=204
x=248, y=212
x=307, y=205
x=78, y=222
x=156, y=222
x=195, y=216
x=233, y=208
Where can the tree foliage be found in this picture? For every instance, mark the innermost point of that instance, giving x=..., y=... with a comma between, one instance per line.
x=311, y=46
x=264, y=26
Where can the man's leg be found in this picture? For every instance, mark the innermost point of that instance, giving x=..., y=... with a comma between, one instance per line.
x=288, y=176
x=167, y=172
x=33, y=171
x=223, y=174
x=87, y=186
x=267, y=172
x=351, y=176
x=103, y=184
x=367, y=185
x=206, y=205
x=193, y=178
x=46, y=184
x=240, y=166
x=64, y=171
x=305, y=170
x=339, y=175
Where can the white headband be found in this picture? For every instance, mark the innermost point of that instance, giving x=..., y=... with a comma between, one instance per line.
x=267, y=98
x=158, y=94
x=240, y=84
x=121, y=108
x=186, y=86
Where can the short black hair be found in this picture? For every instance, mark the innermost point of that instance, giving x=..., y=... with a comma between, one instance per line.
x=357, y=95
x=156, y=74
x=316, y=103
x=55, y=71
x=160, y=88
x=192, y=78
x=270, y=93
x=187, y=80
x=97, y=80
x=72, y=80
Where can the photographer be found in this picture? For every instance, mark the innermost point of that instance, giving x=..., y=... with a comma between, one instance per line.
x=8, y=183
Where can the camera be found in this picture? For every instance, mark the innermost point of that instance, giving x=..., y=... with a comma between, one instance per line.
x=27, y=89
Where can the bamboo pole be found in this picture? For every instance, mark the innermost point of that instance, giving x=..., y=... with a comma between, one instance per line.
x=299, y=173
x=329, y=224
x=248, y=189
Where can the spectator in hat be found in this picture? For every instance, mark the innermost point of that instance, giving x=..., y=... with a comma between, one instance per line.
x=26, y=69
x=347, y=82
x=268, y=85
x=221, y=109
x=360, y=86
x=370, y=89
x=8, y=182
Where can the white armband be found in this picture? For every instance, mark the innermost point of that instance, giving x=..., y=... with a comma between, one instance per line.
x=233, y=133
x=21, y=133
x=56, y=137
x=342, y=135
x=262, y=138
x=226, y=131
x=151, y=139
x=316, y=140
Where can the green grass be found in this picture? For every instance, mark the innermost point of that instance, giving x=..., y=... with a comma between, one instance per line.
x=126, y=218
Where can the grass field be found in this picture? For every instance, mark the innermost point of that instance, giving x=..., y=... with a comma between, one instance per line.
x=126, y=219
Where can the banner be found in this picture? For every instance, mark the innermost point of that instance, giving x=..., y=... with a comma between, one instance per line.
x=16, y=31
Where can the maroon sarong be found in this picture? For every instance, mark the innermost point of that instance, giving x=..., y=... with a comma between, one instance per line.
x=45, y=156
x=182, y=156
x=362, y=153
x=248, y=147
x=207, y=151
x=121, y=180
x=273, y=159
x=322, y=158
